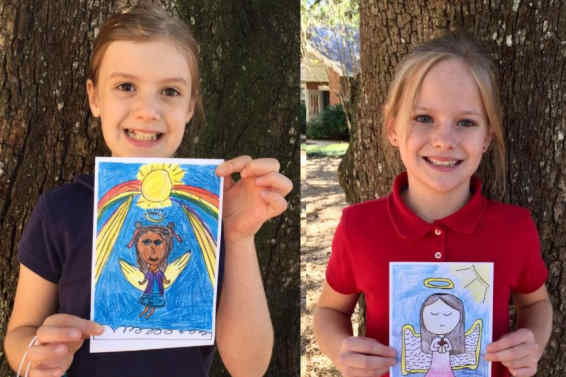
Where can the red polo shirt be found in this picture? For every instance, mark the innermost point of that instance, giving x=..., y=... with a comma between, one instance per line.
x=374, y=233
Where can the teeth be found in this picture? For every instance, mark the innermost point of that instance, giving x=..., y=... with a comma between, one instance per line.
x=448, y=163
x=142, y=136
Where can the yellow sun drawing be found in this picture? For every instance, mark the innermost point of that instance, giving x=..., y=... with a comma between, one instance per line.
x=157, y=181
x=475, y=278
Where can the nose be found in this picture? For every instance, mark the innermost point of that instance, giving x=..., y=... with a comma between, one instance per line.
x=146, y=107
x=444, y=135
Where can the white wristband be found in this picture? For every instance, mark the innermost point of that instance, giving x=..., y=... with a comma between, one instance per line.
x=34, y=341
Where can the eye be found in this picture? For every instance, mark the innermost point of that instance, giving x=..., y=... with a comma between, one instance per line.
x=447, y=314
x=126, y=87
x=434, y=314
x=171, y=92
x=466, y=123
x=146, y=242
x=423, y=118
x=157, y=242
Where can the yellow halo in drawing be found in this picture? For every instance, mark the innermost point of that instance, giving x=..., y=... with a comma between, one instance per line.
x=157, y=181
x=440, y=283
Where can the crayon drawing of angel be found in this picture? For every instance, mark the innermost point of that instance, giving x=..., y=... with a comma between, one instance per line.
x=451, y=323
x=153, y=275
x=156, y=242
x=442, y=344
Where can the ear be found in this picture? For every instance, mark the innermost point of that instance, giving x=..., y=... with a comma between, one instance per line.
x=92, y=98
x=392, y=134
x=191, y=110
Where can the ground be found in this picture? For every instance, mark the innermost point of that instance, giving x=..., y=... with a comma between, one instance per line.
x=322, y=200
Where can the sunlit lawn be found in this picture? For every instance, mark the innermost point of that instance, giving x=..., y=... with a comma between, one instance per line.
x=327, y=150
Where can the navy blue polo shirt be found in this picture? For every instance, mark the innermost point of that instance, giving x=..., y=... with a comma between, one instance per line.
x=57, y=245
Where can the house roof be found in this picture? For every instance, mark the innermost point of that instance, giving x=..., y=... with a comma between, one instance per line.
x=338, y=47
x=313, y=71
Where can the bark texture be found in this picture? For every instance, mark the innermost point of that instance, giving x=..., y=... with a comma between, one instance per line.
x=46, y=132
x=528, y=42
x=250, y=70
x=250, y=77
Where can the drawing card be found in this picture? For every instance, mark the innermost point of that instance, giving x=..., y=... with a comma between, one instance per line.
x=156, y=245
x=440, y=318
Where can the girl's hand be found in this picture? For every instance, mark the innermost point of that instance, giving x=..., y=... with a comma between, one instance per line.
x=360, y=356
x=516, y=350
x=60, y=336
x=440, y=344
x=255, y=198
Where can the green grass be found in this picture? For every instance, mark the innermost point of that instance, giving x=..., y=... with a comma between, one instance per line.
x=328, y=150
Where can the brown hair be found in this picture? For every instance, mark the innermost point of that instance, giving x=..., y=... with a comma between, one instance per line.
x=456, y=336
x=410, y=74
x=143, y=23
x=167, y=233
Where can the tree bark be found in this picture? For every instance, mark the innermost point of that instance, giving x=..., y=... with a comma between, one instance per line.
x=527, y=41
x=250, y=77
x=46, y=132
x=47, y=135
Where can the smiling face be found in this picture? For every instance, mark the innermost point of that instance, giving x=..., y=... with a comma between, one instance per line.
x=152, y=249
x=439, y=318
x=143, y=98
x=443, y=143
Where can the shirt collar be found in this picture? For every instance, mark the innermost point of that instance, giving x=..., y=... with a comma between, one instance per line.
x=410, y=226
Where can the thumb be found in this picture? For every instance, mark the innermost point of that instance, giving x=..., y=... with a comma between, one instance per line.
x=85, y=326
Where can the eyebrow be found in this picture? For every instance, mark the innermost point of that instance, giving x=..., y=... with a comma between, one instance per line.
x=464, y=112
x=179, y=80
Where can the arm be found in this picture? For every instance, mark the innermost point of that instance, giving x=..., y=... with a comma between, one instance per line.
x=534, y=312
x=60, y=335
x=28, y=313
x=244, y=330
x=352, y=355
x=244, y=333
x=332, y=323
x=521, y=349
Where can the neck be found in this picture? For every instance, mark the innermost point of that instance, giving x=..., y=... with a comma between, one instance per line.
x=431, y=205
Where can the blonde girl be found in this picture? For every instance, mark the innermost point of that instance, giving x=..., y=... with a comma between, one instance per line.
x=442, y=115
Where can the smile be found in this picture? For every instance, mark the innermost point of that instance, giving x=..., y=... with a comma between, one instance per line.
x=442, y=163
x=143, y=136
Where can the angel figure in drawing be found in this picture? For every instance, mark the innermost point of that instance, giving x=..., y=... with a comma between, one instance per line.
x=153, y=245
x=442, y=346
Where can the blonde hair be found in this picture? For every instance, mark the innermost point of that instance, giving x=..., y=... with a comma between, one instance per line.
x=412, y=70
x=144, y=23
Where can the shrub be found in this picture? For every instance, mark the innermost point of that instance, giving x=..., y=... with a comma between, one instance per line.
x=329, y=124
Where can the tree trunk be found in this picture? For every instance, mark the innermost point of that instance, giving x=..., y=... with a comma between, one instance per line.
x=46, y=132
x=527, y=41
x=47, y=135
x=250, y=77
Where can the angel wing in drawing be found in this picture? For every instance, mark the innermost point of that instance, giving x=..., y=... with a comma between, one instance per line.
x=134, y=275
x=414, y=360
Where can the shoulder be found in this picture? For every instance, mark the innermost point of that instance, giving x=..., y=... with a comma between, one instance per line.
x=508, y=214
x=512, y=223
x=362, y=219
x=69, y=197
x=361, y=211
x=82, y=185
